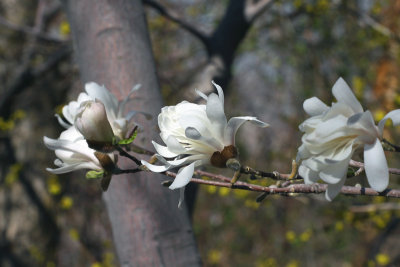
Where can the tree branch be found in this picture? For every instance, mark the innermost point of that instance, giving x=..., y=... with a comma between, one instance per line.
x=29, y=31
x=174, y=17
x=254, y=8
x=289, y=190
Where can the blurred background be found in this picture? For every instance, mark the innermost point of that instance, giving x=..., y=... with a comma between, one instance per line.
x=289, y=51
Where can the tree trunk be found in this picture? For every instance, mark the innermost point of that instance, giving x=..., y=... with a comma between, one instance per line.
x=112, y=47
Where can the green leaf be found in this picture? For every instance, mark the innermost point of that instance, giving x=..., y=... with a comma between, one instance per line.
x=129, y=140
x=94, y=174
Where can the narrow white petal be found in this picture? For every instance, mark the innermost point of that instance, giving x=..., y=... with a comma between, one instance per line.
x=394, y=115
x=234, y=124
x=333, y=190
x=220, y=92
x=343, y=93
x=121, y=105
x=181, y=197
x=314, y=106
x=201, y=94
x=183, y=177
x=215, y=113
x=155, y=168
x=62, y=122
x=163, y=150
x=308, y=175
x=73, y=167
x=101, y=93
x=376, y=166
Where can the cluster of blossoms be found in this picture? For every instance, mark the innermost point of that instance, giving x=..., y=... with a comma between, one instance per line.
x=333, y=134
x=95, y=119
x=200, y=134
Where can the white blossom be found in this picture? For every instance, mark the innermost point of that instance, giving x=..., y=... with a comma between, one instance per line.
x=73, y=152
x=114, y=108
x=333, y=134
x=91, y=121
x=196, y=135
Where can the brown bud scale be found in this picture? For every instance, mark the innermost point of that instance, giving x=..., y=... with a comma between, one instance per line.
x=218, y=159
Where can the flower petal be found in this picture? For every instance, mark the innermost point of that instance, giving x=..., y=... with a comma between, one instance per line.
x=343, y=93
x=333, y=190
x=62, y=122
x=163, y=150
x=308, y=175
x=234, y=124
x=101, y=93
x=394, y=115
x=220, y=92
x=183, y=177
x=156, y=168
x=314, y=106
x=174, y=146
x=376, y=166
x=216, y=115
x=181, y=197
x=335, y=173
x=201, y=94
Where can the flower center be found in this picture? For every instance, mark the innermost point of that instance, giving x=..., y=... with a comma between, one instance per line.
x=219, y=159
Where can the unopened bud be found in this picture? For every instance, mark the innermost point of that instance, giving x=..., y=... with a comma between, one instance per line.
x=92, y=122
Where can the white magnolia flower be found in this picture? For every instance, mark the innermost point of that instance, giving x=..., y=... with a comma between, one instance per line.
x=91, y=121
x=73, y=153
x=331, y=136
x=196, y=135
x=114, y=108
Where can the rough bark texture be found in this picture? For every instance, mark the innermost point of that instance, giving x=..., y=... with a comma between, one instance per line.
x=112, y=47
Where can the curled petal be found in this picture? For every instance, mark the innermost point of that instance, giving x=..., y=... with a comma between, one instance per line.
x=183, y=177
x=394, y=115
x=234, y=124
x=376, y=166
x=343, y=93
x=308, y=175
x=220, y=92
x=201, y=94
x=314, y=106
x=333, y=190
x=155, y=168
x=62, y=122
x=163, y=150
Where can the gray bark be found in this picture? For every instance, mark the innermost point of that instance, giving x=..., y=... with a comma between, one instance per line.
x=112, y=47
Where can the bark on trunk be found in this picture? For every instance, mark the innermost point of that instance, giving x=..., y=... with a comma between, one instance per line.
x=112, y=47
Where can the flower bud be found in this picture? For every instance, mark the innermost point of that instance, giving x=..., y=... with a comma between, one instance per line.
x=92, y=122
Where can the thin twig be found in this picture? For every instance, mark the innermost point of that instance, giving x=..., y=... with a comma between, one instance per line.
x=127, y=155
x=30, y=31
x=358, y=164
x=393, y=147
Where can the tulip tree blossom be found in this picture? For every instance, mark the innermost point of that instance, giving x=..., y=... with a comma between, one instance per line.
x=196, y=135
x=113, y=107
x=333, y=134
x=73, y=153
